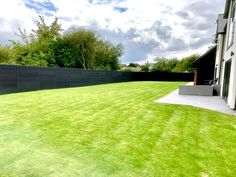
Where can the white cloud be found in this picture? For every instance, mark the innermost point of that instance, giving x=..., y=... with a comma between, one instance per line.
x=14, y=13
x=147, y=28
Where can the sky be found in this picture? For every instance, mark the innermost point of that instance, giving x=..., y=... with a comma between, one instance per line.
x=147, y=28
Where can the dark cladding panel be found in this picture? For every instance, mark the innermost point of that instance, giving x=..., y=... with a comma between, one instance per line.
x=62, y=77
x=23, y=78
x=47, y=78
x=7, y=79
x=28, y=78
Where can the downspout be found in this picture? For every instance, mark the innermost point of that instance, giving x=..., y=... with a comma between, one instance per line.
x=226, y=11
x=221, y=57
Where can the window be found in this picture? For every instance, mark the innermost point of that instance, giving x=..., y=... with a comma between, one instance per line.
x=226, y=79
x=231, y=25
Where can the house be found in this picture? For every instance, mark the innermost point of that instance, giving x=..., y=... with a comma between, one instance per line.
x=130, y=67
x=204, y=68
x=224, y=80
x=225, y=65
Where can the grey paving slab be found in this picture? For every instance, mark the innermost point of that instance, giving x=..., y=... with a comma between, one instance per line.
x=215, y=103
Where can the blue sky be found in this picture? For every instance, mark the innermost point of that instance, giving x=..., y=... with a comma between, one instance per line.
x=147, y=28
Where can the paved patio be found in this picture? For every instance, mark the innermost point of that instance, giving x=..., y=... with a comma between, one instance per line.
x=215, y=103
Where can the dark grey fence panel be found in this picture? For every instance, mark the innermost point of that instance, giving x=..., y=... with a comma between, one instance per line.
x=47, y=78
x=8, y=79
x=28, y=78
x=24, y=78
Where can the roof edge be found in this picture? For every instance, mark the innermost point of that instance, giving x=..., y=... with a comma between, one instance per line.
x=203, y=55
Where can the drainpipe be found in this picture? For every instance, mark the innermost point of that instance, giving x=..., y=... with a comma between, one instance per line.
x=221, y=57
x=226, y=11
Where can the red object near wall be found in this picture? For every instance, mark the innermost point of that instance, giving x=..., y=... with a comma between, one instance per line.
x=195, y=76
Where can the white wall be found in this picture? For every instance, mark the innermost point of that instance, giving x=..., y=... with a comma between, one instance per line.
x=219, y=54
x=227, y=56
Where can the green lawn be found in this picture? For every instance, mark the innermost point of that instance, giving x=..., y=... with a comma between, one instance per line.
x=113, y=130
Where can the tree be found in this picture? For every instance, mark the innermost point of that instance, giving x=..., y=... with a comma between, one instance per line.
x=133, y=65
x=117, y=51
x=45, y=46
x=185, y=65
x=162, y=64
x=175, y=65
x=92, y=52
x=32, y=55
x=36, y=47
x=5, y=55
x=46, y=32
x=83, y=42
x=65, y=56
x=173, y=62
x=107, y=55
x=145, y=67
x=188, y=62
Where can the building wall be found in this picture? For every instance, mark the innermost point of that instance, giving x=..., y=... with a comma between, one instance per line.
x=229, y=54
x=204, y=68
x=222, y=64
x=219, y=59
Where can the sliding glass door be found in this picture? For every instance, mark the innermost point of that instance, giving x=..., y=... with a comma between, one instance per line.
x=226, y=79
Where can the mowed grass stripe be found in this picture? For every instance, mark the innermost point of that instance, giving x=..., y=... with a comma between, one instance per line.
x=112, y=130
